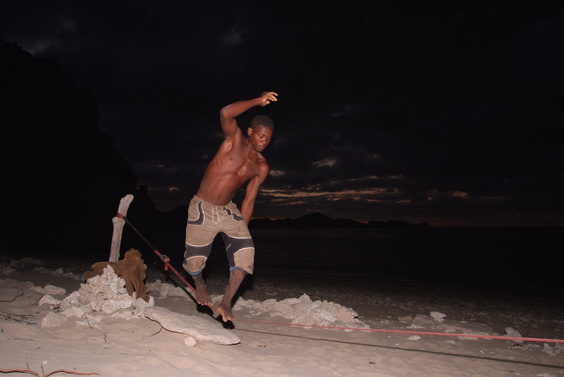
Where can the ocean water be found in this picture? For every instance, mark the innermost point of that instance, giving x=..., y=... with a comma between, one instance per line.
x=510, y=260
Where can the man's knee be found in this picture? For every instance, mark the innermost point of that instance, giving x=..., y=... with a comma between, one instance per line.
x=245, y=260
x=194, y=265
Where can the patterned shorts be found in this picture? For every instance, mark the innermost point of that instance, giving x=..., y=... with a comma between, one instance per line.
x=205, y=221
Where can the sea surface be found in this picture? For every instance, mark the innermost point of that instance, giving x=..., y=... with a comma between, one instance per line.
x=507, y=260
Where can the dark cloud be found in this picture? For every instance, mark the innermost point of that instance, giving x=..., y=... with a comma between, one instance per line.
x=443, y=112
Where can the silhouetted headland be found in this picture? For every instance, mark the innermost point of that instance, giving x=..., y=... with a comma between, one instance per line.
x=317, y=220
x=176, y=219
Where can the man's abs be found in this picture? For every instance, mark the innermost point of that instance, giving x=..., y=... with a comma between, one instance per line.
x=219, y=189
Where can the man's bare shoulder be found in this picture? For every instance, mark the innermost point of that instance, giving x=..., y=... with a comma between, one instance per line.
x=263, y=165
x=231, y=143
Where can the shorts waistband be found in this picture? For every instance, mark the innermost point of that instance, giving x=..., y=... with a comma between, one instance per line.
x=223, y=210
x=198, y=199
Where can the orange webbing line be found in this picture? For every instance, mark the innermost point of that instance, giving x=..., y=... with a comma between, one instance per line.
x=166, y=261
x=412, y=332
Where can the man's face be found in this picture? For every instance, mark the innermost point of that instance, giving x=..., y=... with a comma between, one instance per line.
x=259, y=137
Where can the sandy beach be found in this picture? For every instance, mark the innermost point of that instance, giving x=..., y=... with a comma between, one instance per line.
x=351, y=328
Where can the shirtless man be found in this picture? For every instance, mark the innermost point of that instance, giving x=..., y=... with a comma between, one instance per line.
x=211, y=211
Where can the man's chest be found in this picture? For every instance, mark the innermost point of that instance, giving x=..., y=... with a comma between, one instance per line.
x=247, y=168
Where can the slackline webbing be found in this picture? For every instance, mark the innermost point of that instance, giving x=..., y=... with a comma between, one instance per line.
x=167, y=264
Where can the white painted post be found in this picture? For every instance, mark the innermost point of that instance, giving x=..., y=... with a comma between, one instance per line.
x=118, y=222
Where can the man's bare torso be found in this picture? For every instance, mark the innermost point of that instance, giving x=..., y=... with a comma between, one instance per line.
x=232, y=166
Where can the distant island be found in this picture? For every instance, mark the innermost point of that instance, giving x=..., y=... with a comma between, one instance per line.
x=317, y=220
x=176, y=219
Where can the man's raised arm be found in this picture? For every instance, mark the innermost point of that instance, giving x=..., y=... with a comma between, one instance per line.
x=230, y=112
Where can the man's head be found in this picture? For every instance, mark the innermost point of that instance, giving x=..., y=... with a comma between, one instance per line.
x=260, y=132
x=262, y=120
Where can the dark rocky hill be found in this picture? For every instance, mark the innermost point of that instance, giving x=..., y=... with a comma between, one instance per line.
x=62, y=178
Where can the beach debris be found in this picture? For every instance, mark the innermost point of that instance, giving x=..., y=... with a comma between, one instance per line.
x=22, y=262
x=49, y=300
x=106, y=295
x=11, y=296
x=23, y=318
x=101, y=296
x=11, y=290
x=118, y=222
x=29, y=371
x=50, y=290
x=304, y=311
x=449, y=326
x=197, y=330
x=166, y=289
x=11, y=266
x=53, y=319
x=557, y=349
x=131, y=268
x=58, y=272
x=438, y=316
x=510, y=332
x=548, y=350
x=405, y=319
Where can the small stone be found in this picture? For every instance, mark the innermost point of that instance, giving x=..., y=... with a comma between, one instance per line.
x=438, y=316
x=512, y=333
x=49, y=300
x=53, y=320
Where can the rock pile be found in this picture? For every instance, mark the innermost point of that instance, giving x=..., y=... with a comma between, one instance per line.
x=304, y=311
x=101, y=296
x=106, y=295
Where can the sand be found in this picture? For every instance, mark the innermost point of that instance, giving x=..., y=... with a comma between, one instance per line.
x=341, y=328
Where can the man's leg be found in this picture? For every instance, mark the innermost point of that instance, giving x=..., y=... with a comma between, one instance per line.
x=202, y=295
x=235, y=279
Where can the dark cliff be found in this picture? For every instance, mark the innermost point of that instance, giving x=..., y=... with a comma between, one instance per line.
x=62, y=178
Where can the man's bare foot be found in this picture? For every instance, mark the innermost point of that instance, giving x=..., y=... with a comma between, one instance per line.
x=203, y=297
x=235, y=278
x=225, y=311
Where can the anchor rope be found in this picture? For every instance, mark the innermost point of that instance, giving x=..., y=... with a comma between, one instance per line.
x=166, y=261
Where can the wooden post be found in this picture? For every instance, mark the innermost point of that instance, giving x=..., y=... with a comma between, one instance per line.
x=118, y=222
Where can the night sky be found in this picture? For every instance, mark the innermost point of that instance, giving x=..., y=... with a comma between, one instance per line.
x=439, y=112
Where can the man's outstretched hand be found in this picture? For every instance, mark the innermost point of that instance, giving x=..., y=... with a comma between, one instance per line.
x=267, y=97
